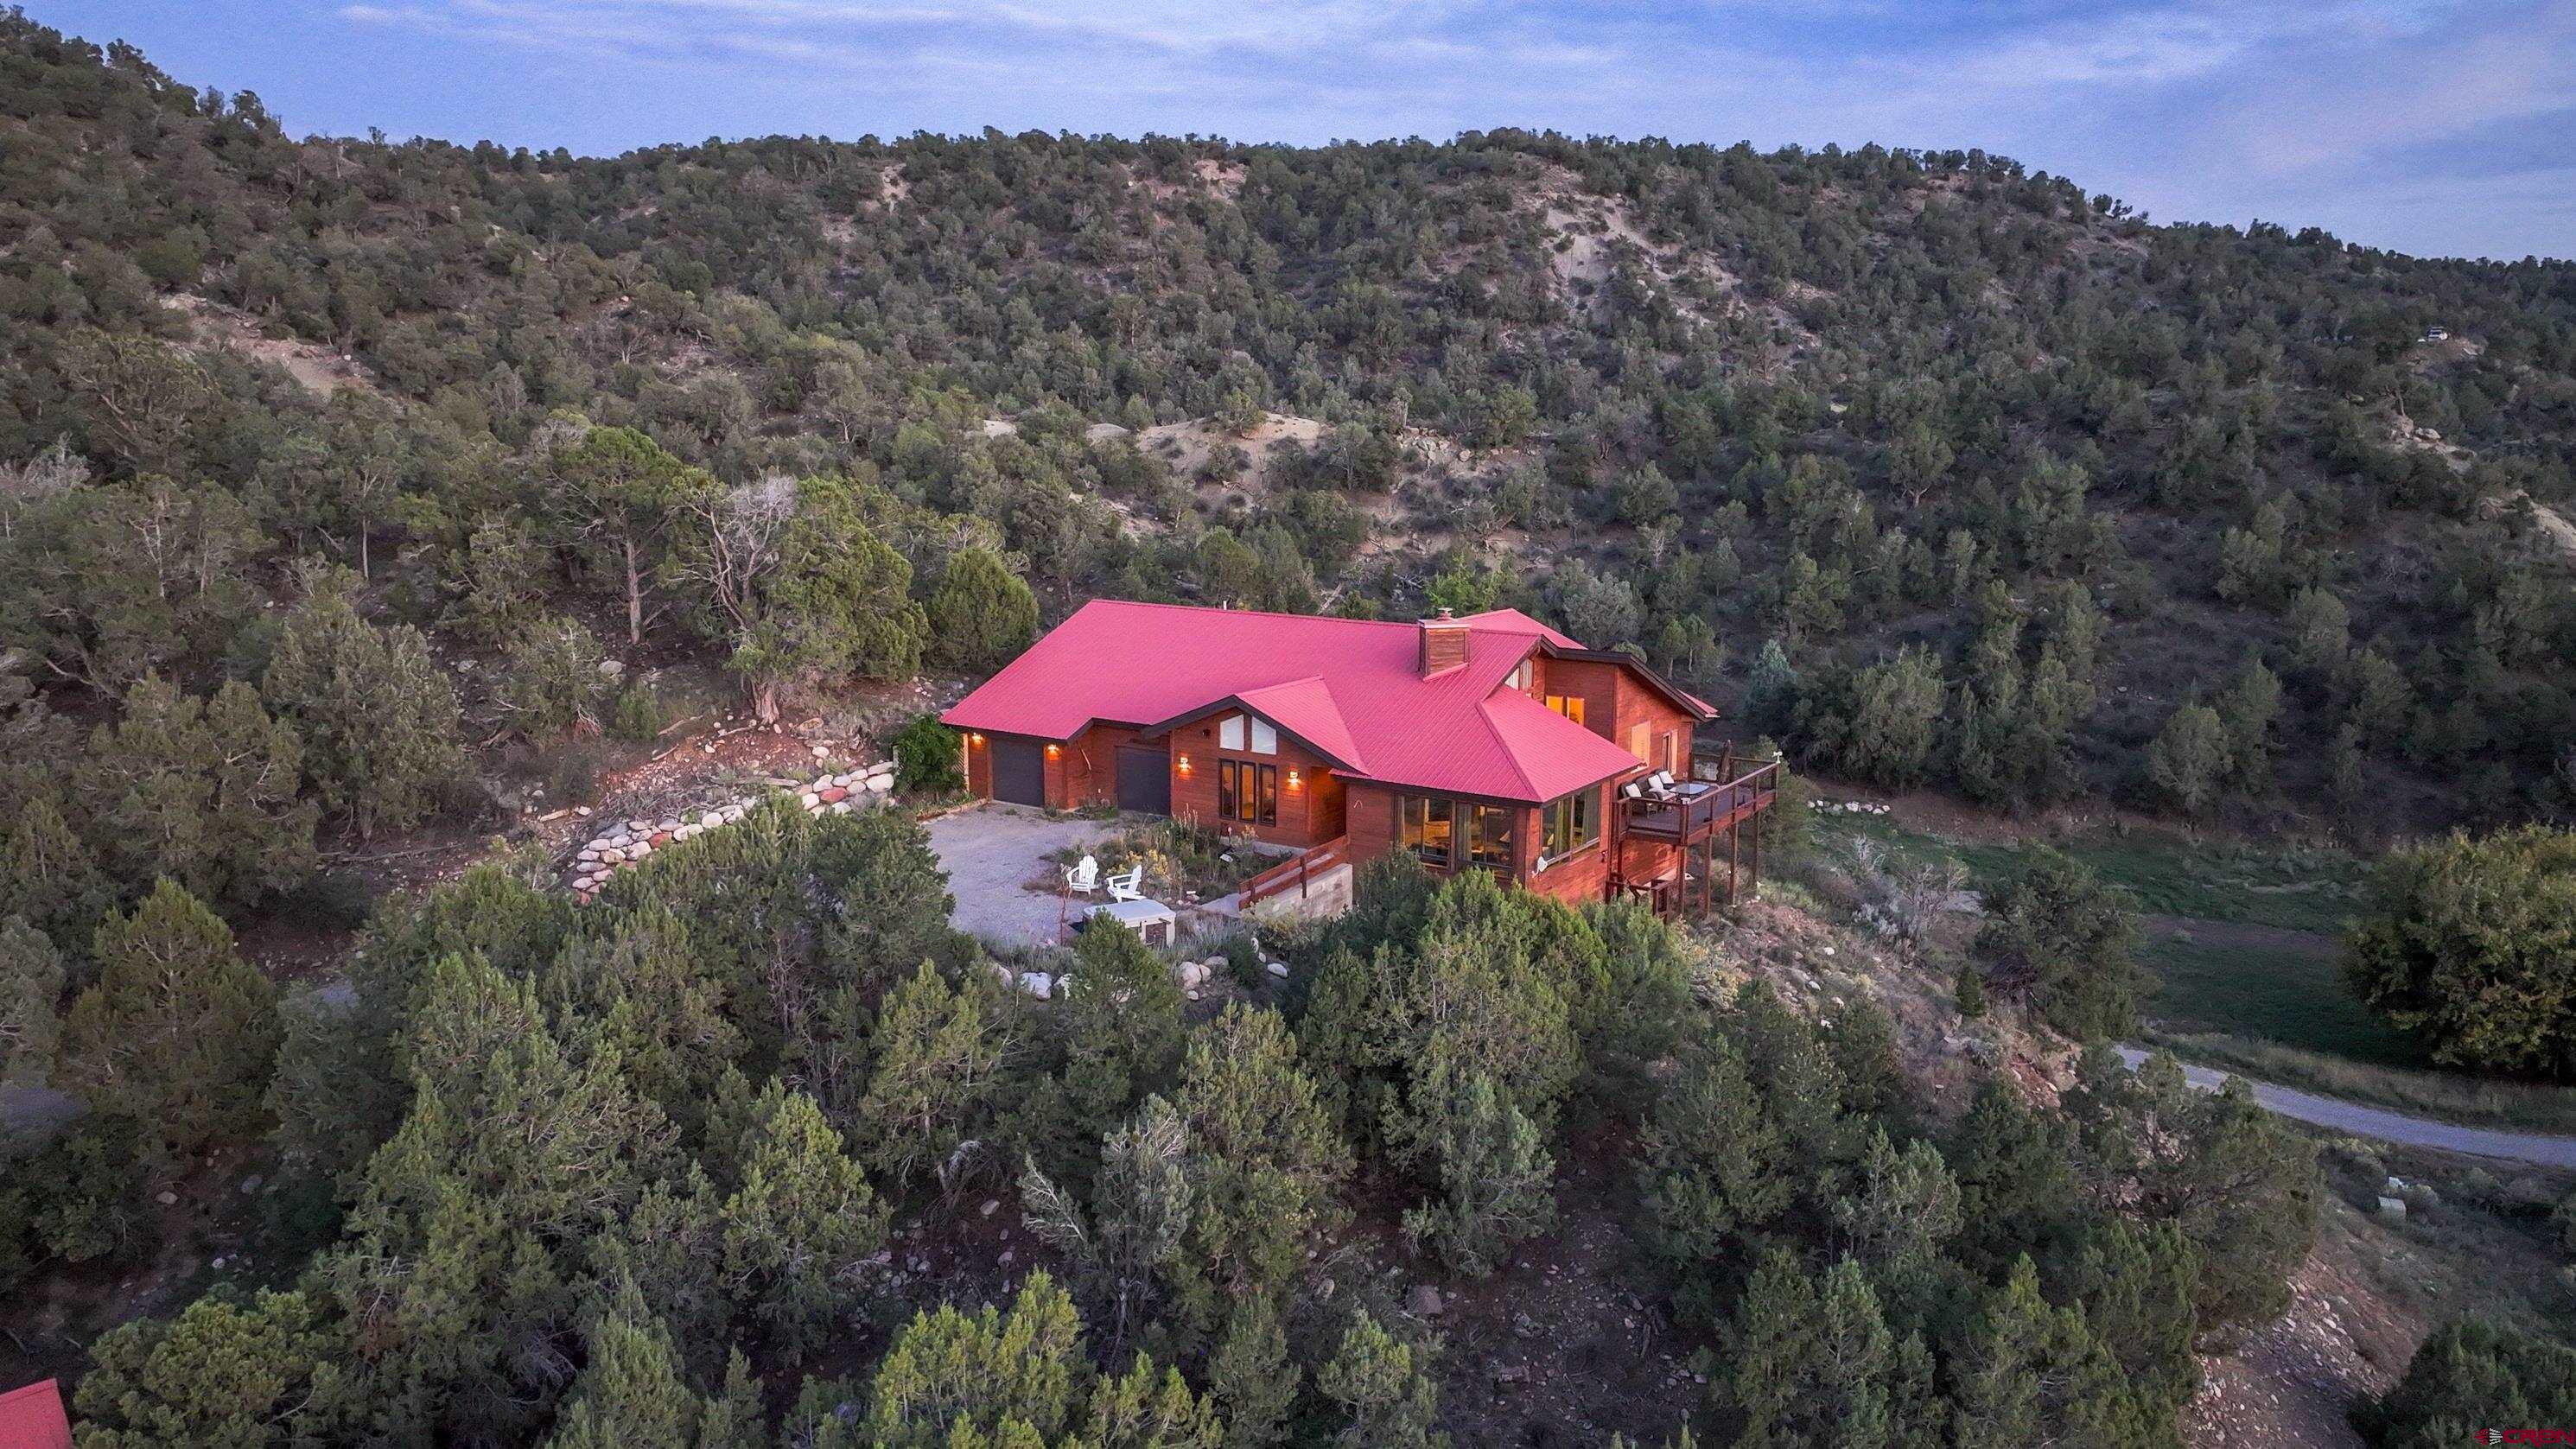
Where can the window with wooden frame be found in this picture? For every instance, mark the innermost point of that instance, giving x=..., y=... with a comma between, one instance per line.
x=1427, y=828
x=1247, y=793
x=1568, y=823
x=1568, y=705
x=1641, y=742
x=1489, y=835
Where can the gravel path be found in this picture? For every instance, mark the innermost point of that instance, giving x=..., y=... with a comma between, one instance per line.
x=2340, y=1116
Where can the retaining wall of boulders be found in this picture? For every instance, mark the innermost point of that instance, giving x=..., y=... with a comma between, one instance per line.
x=631, y=841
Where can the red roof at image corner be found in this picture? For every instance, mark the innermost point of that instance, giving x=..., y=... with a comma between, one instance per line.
x=32, y=1418
x=1351, y=689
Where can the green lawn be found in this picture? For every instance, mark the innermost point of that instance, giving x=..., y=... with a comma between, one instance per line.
x=2250, y=947
x=2269, y=985
x=2293, y=887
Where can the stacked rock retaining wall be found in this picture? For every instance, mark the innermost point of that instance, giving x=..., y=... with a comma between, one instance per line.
x=631, y=841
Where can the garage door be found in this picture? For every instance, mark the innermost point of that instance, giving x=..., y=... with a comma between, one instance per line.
x=1144, y=780
x=1019, y=772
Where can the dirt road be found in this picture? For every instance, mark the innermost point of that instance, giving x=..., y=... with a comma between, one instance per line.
x=2338, y=1116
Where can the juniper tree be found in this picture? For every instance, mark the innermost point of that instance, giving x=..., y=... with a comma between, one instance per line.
x=1383, y=1388
x=2241, y=1186
x=800, y=1226
x=1142, y=1207
x=204, y=792
x=2190, y=757
x=1266, y=1161
x=2064, y=939
x=178, y=1031
x=50, y=878
x=981, y=615
x=551, y=681
x=1497, y=1183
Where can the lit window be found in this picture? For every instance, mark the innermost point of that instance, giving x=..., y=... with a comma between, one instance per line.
x=1639, y=738
x=1568, y=705
x=1229, y=733
x=1265, y=740
x=1489, y=835
x=1423, y=827
x=1246, y=793
x=1571, y=823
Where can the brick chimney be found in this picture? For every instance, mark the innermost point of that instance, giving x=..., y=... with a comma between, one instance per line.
x=1444, y=644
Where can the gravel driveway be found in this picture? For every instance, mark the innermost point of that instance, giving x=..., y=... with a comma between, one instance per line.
x=2360, y=1121
x=991, y=851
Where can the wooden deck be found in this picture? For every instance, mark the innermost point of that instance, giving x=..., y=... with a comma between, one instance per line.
x=1709, y=810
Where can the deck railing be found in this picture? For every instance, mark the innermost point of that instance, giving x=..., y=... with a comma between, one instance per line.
x=1712, y=804
x=1297, y=871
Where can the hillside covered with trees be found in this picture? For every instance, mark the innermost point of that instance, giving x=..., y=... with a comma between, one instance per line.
x=1946, y=472
x=349, y=489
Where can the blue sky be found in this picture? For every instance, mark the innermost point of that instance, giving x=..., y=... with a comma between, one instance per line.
x=2431, y=126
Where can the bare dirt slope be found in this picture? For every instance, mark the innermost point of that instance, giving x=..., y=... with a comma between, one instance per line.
x=321, y=370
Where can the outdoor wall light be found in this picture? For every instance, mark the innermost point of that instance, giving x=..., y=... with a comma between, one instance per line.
x=1184, y=764
x=974, y=739
x=1052, y=752
x=1292, y=779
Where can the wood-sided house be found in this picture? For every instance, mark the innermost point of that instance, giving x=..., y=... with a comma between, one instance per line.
x=1489, y=741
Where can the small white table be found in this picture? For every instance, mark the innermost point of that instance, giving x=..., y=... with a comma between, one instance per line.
x=1150, y=919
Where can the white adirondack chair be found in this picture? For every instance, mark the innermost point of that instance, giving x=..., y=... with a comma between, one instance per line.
x=1084, y=878
x=1128, y=885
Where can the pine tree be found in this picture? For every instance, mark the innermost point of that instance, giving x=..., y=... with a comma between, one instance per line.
x=2248, y=708
x=31, y=988
x=49, y=878
x=1385, y=1390
x=221, y=1374
x=619, y=497
x=1251, y=1377
x=947, y=1372
x=1265, y=1158
x=629, y=1395
x=179, y=1030
x=1968, y=991
x=802, y=1222
x=939, y=1056
x=203, y=792
x=1715, y=1165
x=1122, y=1021
x=377, y=718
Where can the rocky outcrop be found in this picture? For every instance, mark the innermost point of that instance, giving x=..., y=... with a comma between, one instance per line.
x=635, y=840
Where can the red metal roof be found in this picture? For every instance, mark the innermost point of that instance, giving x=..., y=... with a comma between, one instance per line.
x=1350, y=688
x=32, y=1418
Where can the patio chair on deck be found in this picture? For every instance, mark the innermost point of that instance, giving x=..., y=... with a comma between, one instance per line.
x=1082, y=879
x=1128, y=885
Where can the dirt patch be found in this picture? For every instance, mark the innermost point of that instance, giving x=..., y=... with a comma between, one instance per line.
x=2296, y=1379
x=1187, y=446
x=319, y=369
x=1563, y=1346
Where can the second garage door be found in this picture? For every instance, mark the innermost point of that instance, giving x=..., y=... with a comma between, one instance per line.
x=1144, y=780
x=1019, y=772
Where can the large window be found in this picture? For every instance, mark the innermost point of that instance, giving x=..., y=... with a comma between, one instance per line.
x=1426, y=828
x=1570, y=822
x=1568, y=705
x=1246, y=793
x=1489, y=835
x=1229, y=732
